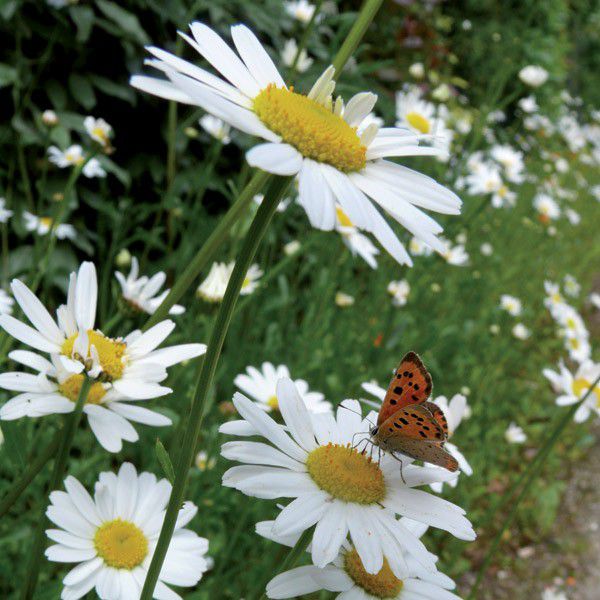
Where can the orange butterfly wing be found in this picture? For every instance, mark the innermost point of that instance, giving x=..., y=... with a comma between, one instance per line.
x=411, y=384
x=413, y=422
x=438, y=415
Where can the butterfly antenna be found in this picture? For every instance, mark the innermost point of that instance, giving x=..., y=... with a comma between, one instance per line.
x=356, y=412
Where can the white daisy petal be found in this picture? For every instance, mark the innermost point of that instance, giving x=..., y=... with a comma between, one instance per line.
x=279, y=159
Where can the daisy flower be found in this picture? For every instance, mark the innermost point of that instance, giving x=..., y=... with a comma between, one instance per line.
x=212, y=289
x=546, y=207
x=515, y=434
x=140, y=292
x=511, y=160
x=261, y=386
x=417, y=70
x=572, y=286
x=347, y=575
x=5, y=214
x=572, y=387
x=343, y=300
x=528, y=104
x=301, y=10
x=454, y=410
x=217, y=128
x=399, y=291
x=99, y=130
x=49, y=118
x=554, y=300
x=336, y=488
x=288, y=54
x=6, y=303
x=354, y=240
x=73, y=156
x=112, y=537
x=521, y=332
x=313, y=137
x=131, y=367
x=418, y=248
x=454, y=254
x=511, y=305
x=203, y=462
x=533, y=75
x=43, y=226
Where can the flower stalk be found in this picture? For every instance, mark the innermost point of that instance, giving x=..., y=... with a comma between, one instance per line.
x=60, y=466
x=200, y=404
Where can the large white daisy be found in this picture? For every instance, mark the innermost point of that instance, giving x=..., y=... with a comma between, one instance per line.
x=133, y=366
x=313, y=137
x=113, y=535
x=348, y=576
x=336, y=488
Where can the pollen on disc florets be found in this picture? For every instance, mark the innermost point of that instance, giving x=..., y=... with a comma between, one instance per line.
x=346, y=474
x=71, y=387
x=111, y=353
x=383, y=584
x=313, y=129
x=121, y=544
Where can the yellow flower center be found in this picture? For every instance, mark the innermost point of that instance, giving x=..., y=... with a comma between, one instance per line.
x=557, y=298
x=100, y=133
x=121, y=544
x=381, y=585
x=345, y=474
x=273, y=402
x=74, y=159
x=571, y=323
x=314, y=130
x=581, y=386
x=71, y=387
x=247, y=281
x=574, y=343
x=46, y=222
x=110, y=352
x=343, y=218
x=502, y=191
x=418, y=122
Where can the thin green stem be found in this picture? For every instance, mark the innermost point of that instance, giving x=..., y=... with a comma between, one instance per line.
x=532, y=470
x=19, y=486
x=292, y=558
x=208, y=250
x=365, y=17
x=200, y=403
x=35, y=554
x=305, y=37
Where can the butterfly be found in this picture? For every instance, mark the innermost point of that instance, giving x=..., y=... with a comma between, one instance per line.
x=408, y=423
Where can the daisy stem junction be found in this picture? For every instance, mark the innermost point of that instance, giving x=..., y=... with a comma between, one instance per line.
x=527, y=478
x=200, y=405
x=19, y=486
x=66, y=441
x=208, y=250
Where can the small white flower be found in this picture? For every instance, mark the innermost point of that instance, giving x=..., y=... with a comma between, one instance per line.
x=50, y=118
x=486, y=249
x=343, y=300
x=217, y=128
x=73, y=156
x=140, y=292
x=521, y=332
x=99, y=130
x=336, y=488
x=528, y=104
x=399, y=290
x=454, y=254
x=5, y=213
x=417, y=70
x=6, y=303
x=551, y=593
x=123, y=258
x=533, y=75
x=43, y=225
x=212, y=289
x=203, y=462
x=595, y=300
x=292, y=247
x=358, y=243
x=515, y=434
x=301, y=10
x=572, y=216
x=511, y=305
x=112, y=537
x=288, y=54
x=572, y=286
x=261, y=386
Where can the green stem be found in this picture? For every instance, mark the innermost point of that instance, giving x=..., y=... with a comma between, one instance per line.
x=200, y=405
x=305, y=37
x=19, y=486
x=366, y=15
x=66, y=441
x=295, y=553
x=209, y=248
x=532, y=470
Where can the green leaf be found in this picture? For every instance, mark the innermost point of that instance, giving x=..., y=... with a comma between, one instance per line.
x=57, y=94
x=8, y=75
x=14, y=442
x=126, y=22
x=83, y=17
x=165, y=461
x=81, y=89
x=106, y=86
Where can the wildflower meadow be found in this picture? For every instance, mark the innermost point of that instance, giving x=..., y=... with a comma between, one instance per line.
x=299, y=299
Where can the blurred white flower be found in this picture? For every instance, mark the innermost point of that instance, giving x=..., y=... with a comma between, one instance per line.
x=511, y=305
x=343, y=300
x=572, y=216
x=6, y=303
x=123, y=258
x=520, y=331
x=292, y=247
x=49, y=118
x=140, y=292
x=73, y=156
x=355, y=241
x=571, y=285
x=547, y=208
x=551, y=593
x=595, y=300
x=216, y=127
x=399, y=290
x=5, y=213
x=281, y=207
x=301, y=10
x=212, y=289
x=417, y=70
x=533, y=75
x=515, y=434
x=99, y=130
x=43, y=225
x=486, y=249
x=288, y=54
x=203, y=462
x=528, y=104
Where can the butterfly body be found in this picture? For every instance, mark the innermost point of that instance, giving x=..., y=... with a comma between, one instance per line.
x=407, y=422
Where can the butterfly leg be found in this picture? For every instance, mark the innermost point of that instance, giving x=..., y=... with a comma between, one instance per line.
x=401, y=465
